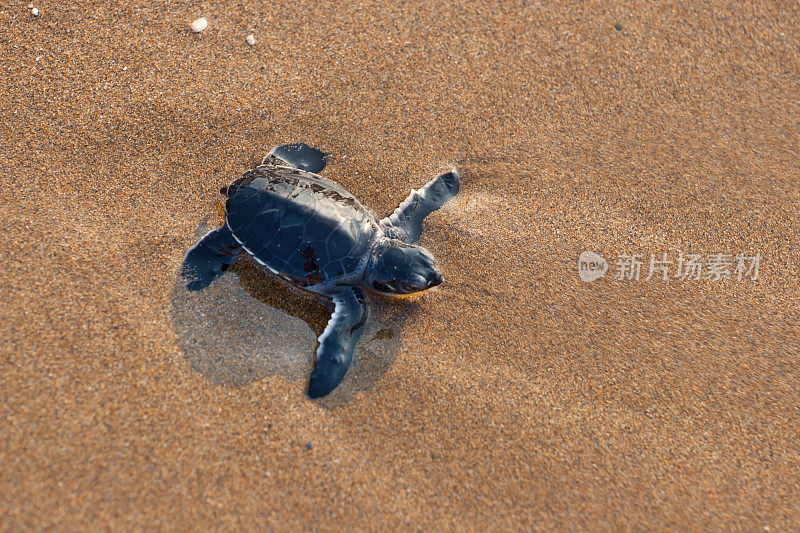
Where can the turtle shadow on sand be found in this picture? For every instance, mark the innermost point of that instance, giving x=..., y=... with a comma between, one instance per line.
x=249, y=324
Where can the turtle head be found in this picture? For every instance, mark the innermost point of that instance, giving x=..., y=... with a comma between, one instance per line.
x=400, y=268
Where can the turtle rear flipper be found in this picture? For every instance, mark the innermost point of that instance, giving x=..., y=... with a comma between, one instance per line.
x=406, y=221
x=209, y=258
x=338, y=342
x=298, y=155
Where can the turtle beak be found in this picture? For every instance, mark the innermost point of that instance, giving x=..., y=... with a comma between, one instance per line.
x=436, y=280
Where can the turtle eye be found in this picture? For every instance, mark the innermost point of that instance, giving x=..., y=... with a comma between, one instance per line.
x=384, y=287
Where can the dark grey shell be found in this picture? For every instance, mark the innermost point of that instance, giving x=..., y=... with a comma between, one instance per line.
x=300, y=225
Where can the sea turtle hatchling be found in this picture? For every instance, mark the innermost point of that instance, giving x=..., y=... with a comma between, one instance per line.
x=315, y=234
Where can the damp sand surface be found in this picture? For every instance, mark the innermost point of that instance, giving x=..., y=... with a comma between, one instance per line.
x=514, y=395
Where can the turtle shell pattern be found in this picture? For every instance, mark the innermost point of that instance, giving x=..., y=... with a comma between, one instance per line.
x=306, y=228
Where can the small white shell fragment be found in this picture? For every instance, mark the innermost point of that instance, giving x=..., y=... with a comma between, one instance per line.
x=199, y=25
x=35, y=12
x=251, y=40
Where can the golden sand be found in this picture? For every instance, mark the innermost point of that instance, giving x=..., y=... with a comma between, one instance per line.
x=514, y=395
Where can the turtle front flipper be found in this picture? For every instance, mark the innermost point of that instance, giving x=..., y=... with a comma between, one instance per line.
x=298, y=155
x=209, y=258
x=406, y=221
x=338, y=342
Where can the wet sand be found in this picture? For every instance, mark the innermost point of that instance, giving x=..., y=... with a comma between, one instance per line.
x=514, y=395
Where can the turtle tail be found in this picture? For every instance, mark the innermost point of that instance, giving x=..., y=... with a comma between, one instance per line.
x=234, y=187
x=209, y=258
